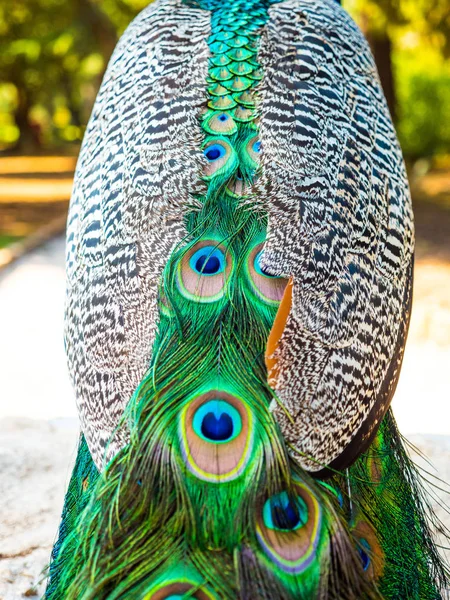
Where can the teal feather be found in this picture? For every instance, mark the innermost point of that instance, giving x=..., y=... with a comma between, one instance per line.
x=83, y=480
x=387, y=494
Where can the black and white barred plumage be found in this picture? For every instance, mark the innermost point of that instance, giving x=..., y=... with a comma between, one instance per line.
x=332, y=182
x=340, y=223
x=137, y=169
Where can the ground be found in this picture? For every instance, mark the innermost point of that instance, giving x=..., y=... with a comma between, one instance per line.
x=35, y=459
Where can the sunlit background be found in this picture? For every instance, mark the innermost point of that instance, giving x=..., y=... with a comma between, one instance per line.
x=52, y=57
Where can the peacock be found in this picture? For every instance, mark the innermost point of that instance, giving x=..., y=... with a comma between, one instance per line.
x=239, y=278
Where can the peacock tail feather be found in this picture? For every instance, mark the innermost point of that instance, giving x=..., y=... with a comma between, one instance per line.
x=197, y=489
x=390, y=508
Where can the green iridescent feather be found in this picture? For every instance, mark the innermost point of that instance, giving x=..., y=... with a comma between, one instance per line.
x=386, y=490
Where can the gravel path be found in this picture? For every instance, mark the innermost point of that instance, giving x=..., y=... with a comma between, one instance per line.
x=38, y=424
x=35, y=462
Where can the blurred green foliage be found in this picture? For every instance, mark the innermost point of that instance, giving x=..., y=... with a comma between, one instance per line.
x=418, y=32
x=423, y=95
x=52, y=57
x=7, y=240
x=53, y=54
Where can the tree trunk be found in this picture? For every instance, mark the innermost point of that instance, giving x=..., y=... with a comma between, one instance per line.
x=28, y=141
x=102, y=29
x=382, y=51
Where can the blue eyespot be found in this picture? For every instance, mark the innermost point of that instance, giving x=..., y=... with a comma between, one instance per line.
x=214, y=152
x=256, y=146
x=223, y=117
x=208, y=261
x=217, y=428
x=281, y=513
x=217, y=421
x=258, y=268
x=363, y=550
x=207, y=264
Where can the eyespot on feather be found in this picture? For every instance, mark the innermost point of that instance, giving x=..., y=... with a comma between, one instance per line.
x=203, y=270
x=222, y=102
x=243, y=115
x=216, y=436
x=220, y=156
x=290, y=541
x=268, y=287
x=220, y=124
x=368, y=547
x=245, y=99
x=217, y=421
x=363, y=550
x=283, y=514
x=251, y=151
